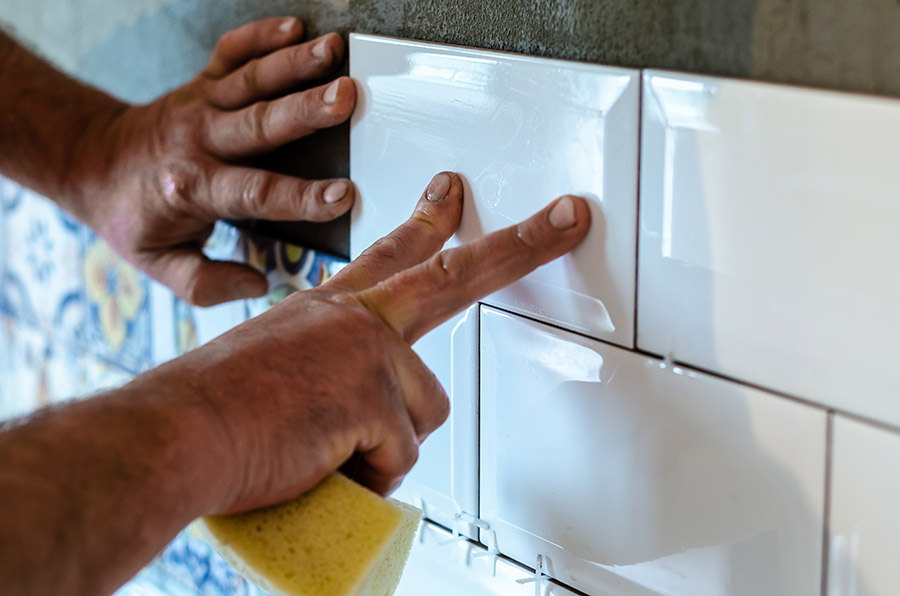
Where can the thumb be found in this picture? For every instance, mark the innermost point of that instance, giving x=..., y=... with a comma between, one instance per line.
x=204, y=282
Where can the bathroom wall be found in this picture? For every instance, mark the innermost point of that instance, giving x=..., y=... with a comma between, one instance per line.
x=815, y=441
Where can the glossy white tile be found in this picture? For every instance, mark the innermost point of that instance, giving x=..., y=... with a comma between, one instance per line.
x=521, y=131
x=768, y=244
x=634, y=477
x=865, y=511
x=444, y=480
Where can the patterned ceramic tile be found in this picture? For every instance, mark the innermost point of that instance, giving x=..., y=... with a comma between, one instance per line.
x=191, y=561
x=288, y=267
x=36, y=369
x=117, y=325
x=41, y=280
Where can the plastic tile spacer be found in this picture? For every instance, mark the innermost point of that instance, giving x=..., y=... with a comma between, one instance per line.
x=540, y=578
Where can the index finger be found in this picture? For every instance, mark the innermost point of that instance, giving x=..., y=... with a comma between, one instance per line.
x=417, y=300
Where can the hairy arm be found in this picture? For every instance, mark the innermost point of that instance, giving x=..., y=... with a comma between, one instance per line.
x=44, y=118
x=92, y=490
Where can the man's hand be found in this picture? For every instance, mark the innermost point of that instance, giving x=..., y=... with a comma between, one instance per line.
x=329, y=373
x=153, y=179
x=93, y=490
x=167, y=171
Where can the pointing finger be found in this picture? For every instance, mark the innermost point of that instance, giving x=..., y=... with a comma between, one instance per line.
x=434, y=220
x=417, y=300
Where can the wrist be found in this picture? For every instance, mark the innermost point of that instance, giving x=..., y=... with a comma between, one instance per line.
x=198, y=447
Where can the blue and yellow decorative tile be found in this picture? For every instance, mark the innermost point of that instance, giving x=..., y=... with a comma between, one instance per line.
x=117, y=326
x=289, y=268
x=41, y=275
x=191, y=561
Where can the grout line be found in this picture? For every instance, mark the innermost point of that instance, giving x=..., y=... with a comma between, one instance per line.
x=826, y=509
x=805, y=401
x=478, y=415
x=637, y=213
x=506, y=558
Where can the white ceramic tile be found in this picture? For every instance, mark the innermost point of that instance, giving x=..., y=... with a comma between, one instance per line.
x=444, y=480
x=633, y=477
x=865, y=511
x=521, y=131
x=439, y=566
x=768, y=242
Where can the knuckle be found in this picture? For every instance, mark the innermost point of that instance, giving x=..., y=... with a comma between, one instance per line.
x=176, y=184
x=450, y=267
x=526, y=239
x=409, y=455
x=257, y=189
x=256, y=122
x=249, y=77
x=388, y=249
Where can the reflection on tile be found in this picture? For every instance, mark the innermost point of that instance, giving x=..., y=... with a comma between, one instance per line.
x=769, y=243
x=118, y=312
x=632, y=477
x=521, y=131
x=865, y=511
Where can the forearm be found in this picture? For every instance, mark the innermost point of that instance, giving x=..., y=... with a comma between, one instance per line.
x=91, y=491
x=45, y=118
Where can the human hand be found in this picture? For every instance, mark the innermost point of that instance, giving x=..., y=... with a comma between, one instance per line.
x=154, y=179
x=329, y=373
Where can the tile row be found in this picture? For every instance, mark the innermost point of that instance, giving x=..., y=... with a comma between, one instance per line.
x=738, y=227
x=629, y=475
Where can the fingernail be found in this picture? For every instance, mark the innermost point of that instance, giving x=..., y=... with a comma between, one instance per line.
x=562, y=215
x=331, y=93
x=336, y=191
x=248, y=288
x=438, y=187
x=320, y=50
x=287, y=24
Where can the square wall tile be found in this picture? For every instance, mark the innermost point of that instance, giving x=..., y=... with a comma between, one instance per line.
x=768, y=244
x=521, y=131
x=633, y=477
x=865, y=511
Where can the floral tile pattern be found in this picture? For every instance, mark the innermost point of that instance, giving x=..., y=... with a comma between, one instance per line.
x=41, y=283
x=289, y=268
x=75, y=319
x=117, y=325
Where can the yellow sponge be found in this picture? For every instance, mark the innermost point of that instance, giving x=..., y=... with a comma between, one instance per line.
x=339, y=539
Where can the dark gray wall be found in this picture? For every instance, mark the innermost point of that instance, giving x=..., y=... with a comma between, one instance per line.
x=851, y=45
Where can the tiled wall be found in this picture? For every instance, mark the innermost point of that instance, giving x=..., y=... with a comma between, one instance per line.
x=75, y=319
x=703, y=398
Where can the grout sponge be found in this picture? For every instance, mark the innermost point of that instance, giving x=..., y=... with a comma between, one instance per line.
x=338, y=539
